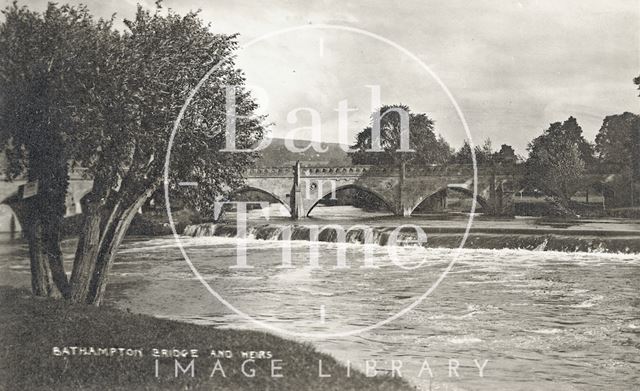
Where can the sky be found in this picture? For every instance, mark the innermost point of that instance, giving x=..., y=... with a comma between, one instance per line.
x=512, y=67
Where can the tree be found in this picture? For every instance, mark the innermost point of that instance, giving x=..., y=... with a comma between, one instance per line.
x=506, y=155
x=138, y=81
x=556, y=165
x=573, y=132
x=484, y=154
x=429, y=147
x=617, y=140
x=636, y=81
x=45, y=76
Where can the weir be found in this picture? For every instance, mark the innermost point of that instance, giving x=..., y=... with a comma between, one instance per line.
x=538, y=239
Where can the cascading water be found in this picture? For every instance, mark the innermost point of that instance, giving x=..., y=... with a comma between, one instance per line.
x=435, y=237
x=374, y=235
x=541, y=318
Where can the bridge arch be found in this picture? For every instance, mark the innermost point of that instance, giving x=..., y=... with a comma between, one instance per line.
x=459, y=189
x=245, y=189
x=13, y=204
x=9, y=219
x=365, y=189
x=479, y=199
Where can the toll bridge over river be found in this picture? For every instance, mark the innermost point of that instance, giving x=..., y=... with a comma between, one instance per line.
x=402, y=188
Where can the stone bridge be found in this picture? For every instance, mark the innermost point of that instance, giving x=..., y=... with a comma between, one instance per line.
x=299, y=188
x=11, y=195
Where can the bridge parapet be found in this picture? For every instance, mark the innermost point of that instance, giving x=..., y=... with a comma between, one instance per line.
x=266, y=172
x=358, y=171
x=375, y=170
x=79, y=173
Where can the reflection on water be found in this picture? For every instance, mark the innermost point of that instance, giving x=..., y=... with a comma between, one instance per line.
x=542, y=319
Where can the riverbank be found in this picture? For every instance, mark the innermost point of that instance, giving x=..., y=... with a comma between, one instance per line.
x=34, y=333
x=530, y=233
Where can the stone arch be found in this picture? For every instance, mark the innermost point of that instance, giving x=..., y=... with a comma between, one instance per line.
x=13, y=202
x=9, y=219
x=387, y=204
x=486, y=206
x=78, y=199
x=245, y=189
x=77, y=191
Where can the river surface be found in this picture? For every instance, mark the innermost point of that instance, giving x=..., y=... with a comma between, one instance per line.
x=543, y=320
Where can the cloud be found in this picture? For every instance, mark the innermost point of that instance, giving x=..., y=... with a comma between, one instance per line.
x=514, y=66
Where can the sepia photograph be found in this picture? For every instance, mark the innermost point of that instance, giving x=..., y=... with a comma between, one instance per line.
x=320, y=195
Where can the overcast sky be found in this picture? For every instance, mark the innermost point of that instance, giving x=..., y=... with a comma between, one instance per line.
x=512, y=66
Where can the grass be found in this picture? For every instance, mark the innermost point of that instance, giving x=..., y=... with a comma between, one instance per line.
x=31, y=327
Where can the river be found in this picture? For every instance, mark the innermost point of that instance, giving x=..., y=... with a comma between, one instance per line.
x=542, y=319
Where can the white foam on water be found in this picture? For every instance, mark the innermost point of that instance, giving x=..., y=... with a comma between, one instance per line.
x=314, y=292
x=19, y=267
x=545, y=331
x=295, y=274
x=464, y=340
x=590, y=302
x=503, y=255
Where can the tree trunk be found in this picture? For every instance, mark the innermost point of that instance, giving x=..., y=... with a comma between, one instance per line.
x=40, y=272
x=111, y=240
x=86, y=253
x=52, y=236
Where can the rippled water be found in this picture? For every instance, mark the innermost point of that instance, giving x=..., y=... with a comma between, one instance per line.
x=544, y=320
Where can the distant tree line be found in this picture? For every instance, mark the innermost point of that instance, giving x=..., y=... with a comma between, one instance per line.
x=557, y=162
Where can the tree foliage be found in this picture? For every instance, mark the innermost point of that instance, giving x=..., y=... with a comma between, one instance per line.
x=483, y=153
x=115, y=98
x=429, y=147
x=618, y=141
x=556, y=162
x=506, y=155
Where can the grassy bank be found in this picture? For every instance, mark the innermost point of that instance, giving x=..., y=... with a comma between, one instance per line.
x=30, y=328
